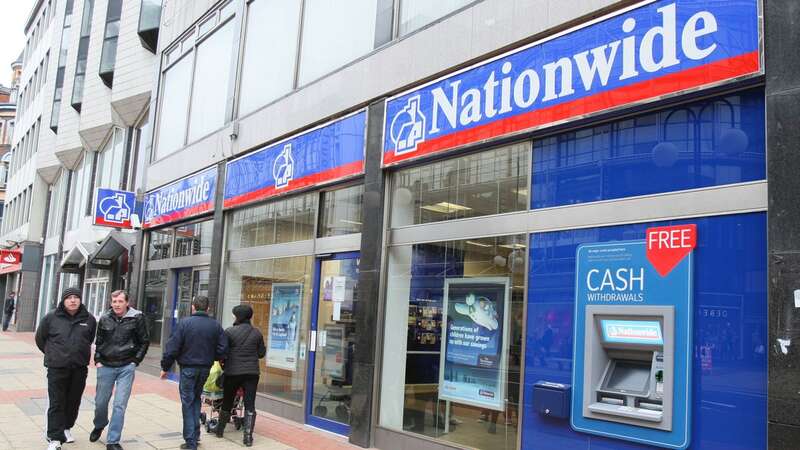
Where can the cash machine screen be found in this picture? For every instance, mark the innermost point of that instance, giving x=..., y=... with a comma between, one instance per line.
x=647, y=332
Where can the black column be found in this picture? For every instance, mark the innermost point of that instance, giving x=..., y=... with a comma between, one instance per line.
x=215, y=268
x=781, y=37
x=366, y=315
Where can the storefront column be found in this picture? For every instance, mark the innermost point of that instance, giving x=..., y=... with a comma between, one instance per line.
x=783, y=139
x=28, y=295
x=215, y=267
x=366, y=315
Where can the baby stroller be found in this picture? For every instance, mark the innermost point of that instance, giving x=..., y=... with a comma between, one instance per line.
x=211, y=400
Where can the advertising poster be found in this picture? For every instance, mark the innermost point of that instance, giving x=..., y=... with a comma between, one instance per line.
x=284, y=324
x=472, y=362
x=334, y=352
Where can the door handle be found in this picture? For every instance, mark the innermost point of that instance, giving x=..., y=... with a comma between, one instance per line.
x=313, y=341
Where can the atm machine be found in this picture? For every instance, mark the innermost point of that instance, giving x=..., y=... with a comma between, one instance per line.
x=628, y=365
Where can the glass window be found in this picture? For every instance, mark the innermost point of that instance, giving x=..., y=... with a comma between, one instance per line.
x=415, y=14
x=490, y=182
x=177, y=84
x=56, y=210
x=111, y=161
x=335, y=33
x=211, y=75
x=706, y=143
x=342, y=211
x=79, y=193
x=160, y=244
x=286, y=220
x=155, y=294
x=251, y=283
x=83, y=53
x=268, y=70
x=477, y=285
x=194, y=239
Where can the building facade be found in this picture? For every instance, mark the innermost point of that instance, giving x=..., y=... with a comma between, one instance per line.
x=417, y=199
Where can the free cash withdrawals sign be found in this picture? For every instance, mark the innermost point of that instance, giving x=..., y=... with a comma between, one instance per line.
x=284, y=325
x=472, y=366
x=645, y=272
x=182, y=199
x=642, y=53
x=325, y=154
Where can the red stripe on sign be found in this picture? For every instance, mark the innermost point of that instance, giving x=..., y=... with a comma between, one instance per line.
x=177, y=215
x=721, y=70
x=337, y=173
x=104, y=223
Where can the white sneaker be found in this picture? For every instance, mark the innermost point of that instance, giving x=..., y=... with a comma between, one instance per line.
x=68, y=434
x=54, y=445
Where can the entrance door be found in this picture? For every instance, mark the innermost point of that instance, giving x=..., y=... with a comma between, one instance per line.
x=333, y=336
x=189, y=283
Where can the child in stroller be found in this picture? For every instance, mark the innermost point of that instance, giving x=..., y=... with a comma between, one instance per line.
x=212, y=402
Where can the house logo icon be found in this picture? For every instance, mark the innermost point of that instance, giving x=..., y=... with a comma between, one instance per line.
x=408, y=127
x=115, y=209
x=283, y=167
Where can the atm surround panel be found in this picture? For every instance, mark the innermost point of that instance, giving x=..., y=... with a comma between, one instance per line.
x=631, y=381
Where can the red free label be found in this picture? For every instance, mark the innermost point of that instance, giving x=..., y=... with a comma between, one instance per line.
x=667, y=246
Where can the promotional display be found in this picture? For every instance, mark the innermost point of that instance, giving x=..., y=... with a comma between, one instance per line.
x=633, y=338
x=114, y=208
x=284, y=322
x=641, y=53
x=334, y=356
x=182, y=199
x=325, y=154
x=472, y=362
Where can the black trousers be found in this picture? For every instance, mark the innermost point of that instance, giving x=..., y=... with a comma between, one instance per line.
x=64, y=391
x=232, y=383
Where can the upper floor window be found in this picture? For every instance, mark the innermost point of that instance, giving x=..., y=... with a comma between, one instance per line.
x=111, y=161
x=108, y=57
x=415, y=14
x=83, y=53
x=149, y=23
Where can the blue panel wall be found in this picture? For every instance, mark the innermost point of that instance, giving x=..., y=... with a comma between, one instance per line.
x=729, y=409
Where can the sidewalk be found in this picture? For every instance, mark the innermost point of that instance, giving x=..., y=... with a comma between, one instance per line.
x=152, y=421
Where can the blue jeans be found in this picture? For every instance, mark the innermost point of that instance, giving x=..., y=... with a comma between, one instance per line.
x=190, y=387
x=107, y=377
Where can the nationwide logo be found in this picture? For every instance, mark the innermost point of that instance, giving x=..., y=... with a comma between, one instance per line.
x=115, y=209
x=408, y=127
x=283, y=167
x=178, y=197
x=649, y=51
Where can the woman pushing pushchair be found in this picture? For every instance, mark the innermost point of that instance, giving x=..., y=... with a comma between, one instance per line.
x=241, y=368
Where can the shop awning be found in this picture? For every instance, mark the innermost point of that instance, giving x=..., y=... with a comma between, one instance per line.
x=9, y=268
x=109, y=249
x=76, y=258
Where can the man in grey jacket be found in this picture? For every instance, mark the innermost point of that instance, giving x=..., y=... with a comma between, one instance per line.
x=121, y=344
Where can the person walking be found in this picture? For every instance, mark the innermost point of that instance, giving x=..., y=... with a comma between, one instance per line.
x=65, y=337
x=121, y=344
x=8, y=309
x=245, y=348
x=196, y=342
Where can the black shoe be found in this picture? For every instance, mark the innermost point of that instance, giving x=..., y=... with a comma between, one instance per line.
x=224, y=418
x=249, y=424
x=113, y=447
x=186, y=446
x=95, y=435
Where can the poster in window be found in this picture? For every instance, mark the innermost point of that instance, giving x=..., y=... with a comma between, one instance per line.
x=472, y=365
x=334, y=353
x=284, y=325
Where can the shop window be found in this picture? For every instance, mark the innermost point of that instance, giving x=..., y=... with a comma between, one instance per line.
x=252, y=283
x=457, y=296
x=277, y=222
x=194, y=239
x=415, y=14
x=211, y=76
x=335, y=33
x=481, y=184
x=155, y=293
x=342, y=211
x=268, y=70
x=160, y=245
x=706, y=143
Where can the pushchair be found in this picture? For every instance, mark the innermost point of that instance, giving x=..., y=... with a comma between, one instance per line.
x=211, y=400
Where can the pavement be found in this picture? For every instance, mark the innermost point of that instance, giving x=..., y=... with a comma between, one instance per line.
x=152, y=420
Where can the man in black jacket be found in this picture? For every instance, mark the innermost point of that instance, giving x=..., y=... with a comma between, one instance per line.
x=65, y=337
x=8, y=309
x=196, y=342
x=122, y=341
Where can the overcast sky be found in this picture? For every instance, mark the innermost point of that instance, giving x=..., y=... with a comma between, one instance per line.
x=12, y=34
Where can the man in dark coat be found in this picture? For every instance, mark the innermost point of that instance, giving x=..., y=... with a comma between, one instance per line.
x=65, y=337
x=196, y=342
x=8, y=309
x=121, y=344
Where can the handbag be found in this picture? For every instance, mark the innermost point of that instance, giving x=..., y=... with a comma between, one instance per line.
x=221, y=378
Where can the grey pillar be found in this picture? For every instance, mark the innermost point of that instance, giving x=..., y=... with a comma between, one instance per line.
x=215, y=268
x=781, y=35
x=28, y=295
x=366, y=315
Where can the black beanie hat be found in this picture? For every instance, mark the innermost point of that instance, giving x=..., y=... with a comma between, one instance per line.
x=243, y=313
x=71, y=291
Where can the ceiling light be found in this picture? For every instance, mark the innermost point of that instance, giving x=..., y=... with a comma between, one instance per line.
x=479, y=244
x=446, y=207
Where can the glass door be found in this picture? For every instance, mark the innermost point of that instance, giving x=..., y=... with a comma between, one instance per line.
x=333, y=336
x=189, y=283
